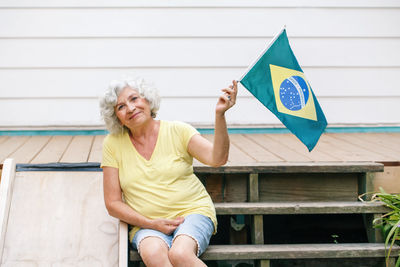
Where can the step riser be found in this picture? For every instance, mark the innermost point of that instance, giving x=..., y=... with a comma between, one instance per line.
x=286, y=187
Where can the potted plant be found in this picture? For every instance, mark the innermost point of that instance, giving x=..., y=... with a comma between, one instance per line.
x=389, y=223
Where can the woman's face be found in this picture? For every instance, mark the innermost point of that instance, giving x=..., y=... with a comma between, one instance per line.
x=131, y=109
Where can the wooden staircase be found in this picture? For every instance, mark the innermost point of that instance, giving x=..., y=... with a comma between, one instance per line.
x=256, y=192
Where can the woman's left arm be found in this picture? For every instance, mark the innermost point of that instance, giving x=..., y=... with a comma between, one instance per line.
x=215, y=154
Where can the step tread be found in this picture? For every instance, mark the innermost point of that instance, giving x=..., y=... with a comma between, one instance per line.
x=293, y=167
x=292, y=251
x=338, y=207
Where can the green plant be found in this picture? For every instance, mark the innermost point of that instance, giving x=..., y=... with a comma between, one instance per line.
x=389, y=223
x=335, y=237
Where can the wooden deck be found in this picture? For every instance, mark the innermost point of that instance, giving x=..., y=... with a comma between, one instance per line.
x=245, y=148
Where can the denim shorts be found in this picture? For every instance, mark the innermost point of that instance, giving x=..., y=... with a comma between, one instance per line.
x=198, y=227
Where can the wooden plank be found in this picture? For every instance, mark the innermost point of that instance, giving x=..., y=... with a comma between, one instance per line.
x=123, y=248
x=78, y=150
x=200, y=110
x=292, y=142
x=354, y=152
x=276, y=208
x=235, y=188
x=196, y=4
x=33, y=23
x=295, y=167
x=235, y=154
x=264, y=263
x=257, y=221
x=249, y=147
x=215, y=187
x=388, y=141
x=174, y=79
x=3, y=139
x=277, y=148
x=389, y=180
x=6, y=191
x=226, y=188
x=54, y=150
x=395, y=137
x=168, y=52
x=394, y=140
x=293, y=251
x=308, y=187
x=30, y=149
x=68, y=221
x=253, y=187
x=343, y=150
x=385, y=154
x=296, y=251
x=10, y=145
x=97, y=147
x=257, y=232
x=374, y=234
x=366, y=185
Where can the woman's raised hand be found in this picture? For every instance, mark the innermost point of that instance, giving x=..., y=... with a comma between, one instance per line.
x=167, y=226
x=227, y=99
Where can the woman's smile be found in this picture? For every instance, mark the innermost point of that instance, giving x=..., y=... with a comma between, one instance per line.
x=131, y=117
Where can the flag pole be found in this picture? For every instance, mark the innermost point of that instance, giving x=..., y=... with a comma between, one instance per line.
x=263, y=52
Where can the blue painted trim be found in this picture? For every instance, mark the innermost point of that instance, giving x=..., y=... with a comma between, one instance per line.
x=383, y=129
x=53, y=132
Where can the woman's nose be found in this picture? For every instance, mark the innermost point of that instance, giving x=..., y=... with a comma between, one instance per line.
x=131, y=107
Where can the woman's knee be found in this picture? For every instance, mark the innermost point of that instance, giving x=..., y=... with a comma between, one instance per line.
x=183, y=250
x=153, y=251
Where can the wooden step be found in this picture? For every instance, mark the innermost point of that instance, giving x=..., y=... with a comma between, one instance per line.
x=264, y=208
x=293, y=167
x=293, y=251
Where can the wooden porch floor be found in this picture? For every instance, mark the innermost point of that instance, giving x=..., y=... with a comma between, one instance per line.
x=245, y=148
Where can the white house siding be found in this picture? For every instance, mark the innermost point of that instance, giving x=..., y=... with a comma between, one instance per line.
x=57, y=57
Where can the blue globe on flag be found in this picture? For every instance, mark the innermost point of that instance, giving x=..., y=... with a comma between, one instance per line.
x=294, y=93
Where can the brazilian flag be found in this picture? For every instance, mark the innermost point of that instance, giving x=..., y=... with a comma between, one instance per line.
x=278, y=82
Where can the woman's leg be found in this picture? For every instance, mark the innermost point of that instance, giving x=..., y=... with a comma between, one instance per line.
x=153, y=247
x=154, y=252
x=191, y=239
x=184, y=252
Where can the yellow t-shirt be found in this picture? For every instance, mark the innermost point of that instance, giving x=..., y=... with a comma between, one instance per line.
x=164, y=186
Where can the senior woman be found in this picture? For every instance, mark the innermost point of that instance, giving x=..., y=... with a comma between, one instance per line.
x=148, y=174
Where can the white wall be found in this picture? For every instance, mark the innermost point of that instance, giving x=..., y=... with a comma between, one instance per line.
x=57, y=57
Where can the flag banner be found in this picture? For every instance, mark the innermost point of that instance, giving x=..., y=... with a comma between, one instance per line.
x=278, y=82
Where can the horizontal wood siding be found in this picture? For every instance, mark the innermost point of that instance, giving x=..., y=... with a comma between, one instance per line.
x=57, y=58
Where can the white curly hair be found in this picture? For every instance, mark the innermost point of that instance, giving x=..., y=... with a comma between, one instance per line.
x=109, y=100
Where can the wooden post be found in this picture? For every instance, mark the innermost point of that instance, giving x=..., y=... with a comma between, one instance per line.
x=123, y=245
x=366, y=184
x=257, y=231
x=6, y=190
x=253, y=188
x=264, y=263
x=374, y=234
x=1, y=168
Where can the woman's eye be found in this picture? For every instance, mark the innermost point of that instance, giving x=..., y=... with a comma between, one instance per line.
x=134, y=98
x=120, y=107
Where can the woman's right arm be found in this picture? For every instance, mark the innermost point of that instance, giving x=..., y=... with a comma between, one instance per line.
x=117, y=208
